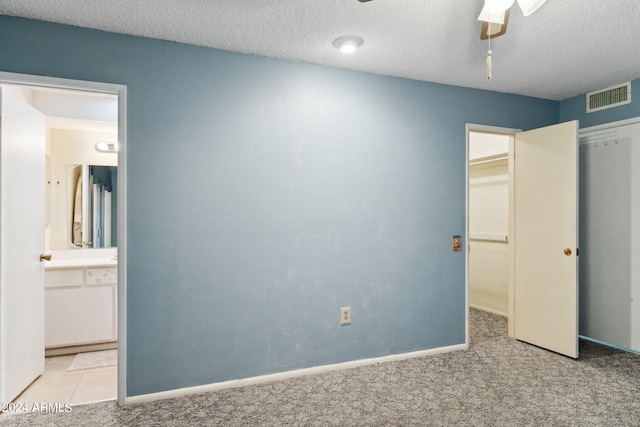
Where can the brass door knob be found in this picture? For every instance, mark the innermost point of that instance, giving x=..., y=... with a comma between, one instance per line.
x=44, y=257
x=567, y=251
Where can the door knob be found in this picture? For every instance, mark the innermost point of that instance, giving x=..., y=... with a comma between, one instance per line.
x=44, y=257
x=567, y=251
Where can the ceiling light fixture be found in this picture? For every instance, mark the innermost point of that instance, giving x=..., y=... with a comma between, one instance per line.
x=492, y=16
x=348, y=44
x=493, y=11
x=530, y=6
x=499, y=4
x=495, y=16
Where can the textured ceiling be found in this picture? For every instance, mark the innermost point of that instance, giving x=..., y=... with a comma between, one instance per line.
x=566, y=48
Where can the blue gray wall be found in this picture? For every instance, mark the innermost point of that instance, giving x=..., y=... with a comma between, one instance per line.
x=576, y=109
x=263, y=195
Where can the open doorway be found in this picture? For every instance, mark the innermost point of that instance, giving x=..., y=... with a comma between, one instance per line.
x=490, y=193
x=76, y=284
x=541, y=241
x=489, y=221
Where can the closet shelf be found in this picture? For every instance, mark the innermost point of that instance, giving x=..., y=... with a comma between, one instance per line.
x=489, y=159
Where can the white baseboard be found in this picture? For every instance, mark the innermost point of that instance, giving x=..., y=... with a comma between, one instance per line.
x=288, y=374
x=488, y=310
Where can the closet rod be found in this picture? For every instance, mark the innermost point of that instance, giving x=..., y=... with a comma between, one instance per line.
x=488, y=237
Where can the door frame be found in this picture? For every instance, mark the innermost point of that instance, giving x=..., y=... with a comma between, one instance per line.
x=121, y=92
x=471, y=127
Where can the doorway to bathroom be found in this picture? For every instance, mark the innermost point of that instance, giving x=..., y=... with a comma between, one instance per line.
x=63, y=235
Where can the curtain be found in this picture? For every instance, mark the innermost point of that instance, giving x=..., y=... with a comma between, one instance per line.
x=102, y=178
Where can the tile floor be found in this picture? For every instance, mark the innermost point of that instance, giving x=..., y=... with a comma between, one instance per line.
x=56, y=385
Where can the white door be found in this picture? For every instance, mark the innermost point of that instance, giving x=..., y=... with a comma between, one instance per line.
x=546, y=238
x=22, y=228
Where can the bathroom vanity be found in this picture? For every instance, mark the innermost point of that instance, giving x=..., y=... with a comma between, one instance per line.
x=81, y=299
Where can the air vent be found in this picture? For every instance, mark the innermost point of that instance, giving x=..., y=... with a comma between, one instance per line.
x=609, y=97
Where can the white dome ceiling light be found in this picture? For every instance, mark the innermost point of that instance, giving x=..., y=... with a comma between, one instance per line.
x=348, y=44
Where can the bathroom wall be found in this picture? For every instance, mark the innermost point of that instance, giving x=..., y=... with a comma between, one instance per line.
x=263, y=195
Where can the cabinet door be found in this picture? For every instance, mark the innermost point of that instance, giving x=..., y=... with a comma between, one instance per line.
x=79, y=316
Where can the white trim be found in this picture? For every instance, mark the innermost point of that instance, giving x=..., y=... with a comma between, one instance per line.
x=58, y=83
x=121, y=92
x=122, y=246
x=619, y=123
x=170, y=394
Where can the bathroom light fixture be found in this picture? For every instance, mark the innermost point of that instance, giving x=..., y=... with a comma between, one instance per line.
x=107, y=147
x=348, y=44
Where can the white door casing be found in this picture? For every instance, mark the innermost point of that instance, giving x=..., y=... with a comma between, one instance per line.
x=121, y=92
x=546, y=238
x=22, y=231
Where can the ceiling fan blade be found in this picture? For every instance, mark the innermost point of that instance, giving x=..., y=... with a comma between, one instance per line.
x=494, y=30
x=363, y=1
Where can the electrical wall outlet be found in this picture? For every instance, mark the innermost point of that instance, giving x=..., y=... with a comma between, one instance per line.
x=345, y=316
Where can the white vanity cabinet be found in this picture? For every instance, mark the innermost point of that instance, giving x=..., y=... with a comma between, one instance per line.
x=80, y=305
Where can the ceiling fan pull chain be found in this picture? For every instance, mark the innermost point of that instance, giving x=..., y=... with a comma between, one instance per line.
x=489, y=69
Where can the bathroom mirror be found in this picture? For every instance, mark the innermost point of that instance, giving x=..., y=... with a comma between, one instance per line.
x=92, y=206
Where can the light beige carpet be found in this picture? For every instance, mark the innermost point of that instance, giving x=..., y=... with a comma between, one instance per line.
x=94, y=359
